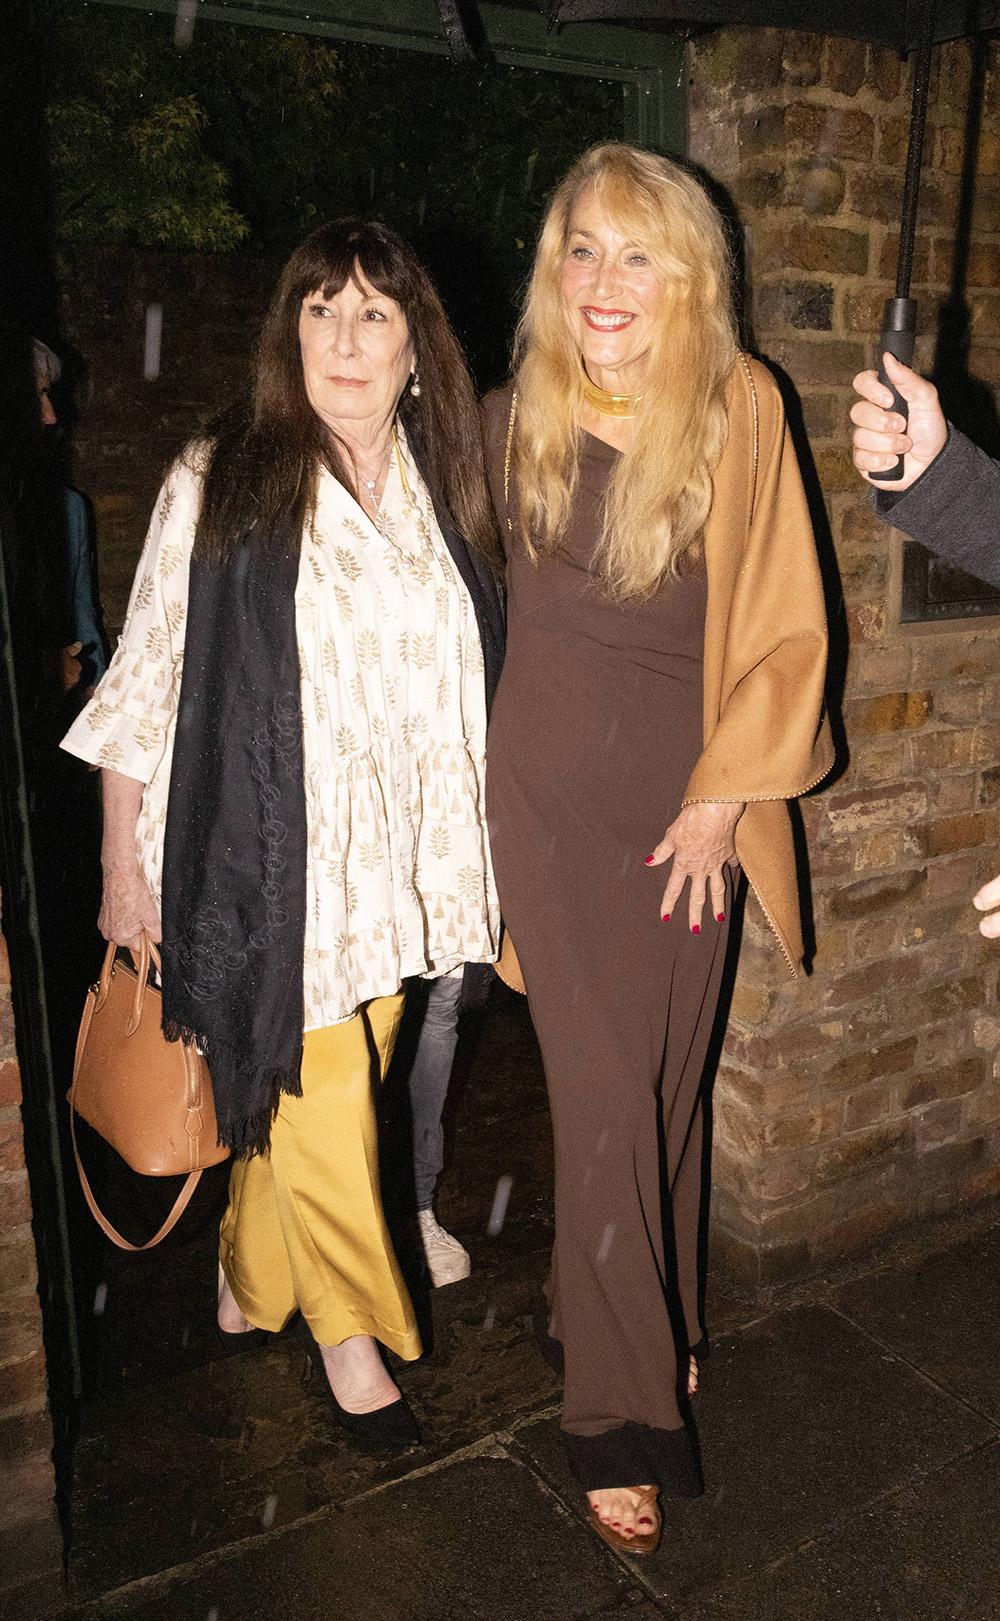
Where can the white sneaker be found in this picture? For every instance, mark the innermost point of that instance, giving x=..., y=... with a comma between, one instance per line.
x=447, y=1261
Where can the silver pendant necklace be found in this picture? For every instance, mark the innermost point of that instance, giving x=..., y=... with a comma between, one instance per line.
x=370, y=483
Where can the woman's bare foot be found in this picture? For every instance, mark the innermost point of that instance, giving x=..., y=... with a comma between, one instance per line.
x=358, y=1377
x=231, y=1319
x=693, y=1377
x=626, y=1509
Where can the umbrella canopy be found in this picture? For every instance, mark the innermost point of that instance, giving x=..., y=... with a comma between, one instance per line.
x=885, y=22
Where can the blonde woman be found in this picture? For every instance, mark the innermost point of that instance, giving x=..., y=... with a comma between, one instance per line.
x=661, y=699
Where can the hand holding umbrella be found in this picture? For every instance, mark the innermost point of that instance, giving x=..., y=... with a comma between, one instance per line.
x=881, y=436
x=983, y=900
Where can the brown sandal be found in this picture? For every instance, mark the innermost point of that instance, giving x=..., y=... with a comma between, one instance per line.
x=641, y=1542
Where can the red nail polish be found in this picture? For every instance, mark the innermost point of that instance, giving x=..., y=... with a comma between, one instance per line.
x=720, y=917
x=650, y=860
x=665, y=918
x=696, y=928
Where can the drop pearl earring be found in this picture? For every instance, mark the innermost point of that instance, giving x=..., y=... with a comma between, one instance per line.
x=415, y=385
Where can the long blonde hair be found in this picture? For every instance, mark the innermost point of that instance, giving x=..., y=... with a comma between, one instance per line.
x=660, y=494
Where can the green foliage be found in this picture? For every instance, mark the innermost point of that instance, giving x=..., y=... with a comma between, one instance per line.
x=128, y=156
x=151, y=145
x=279, y=131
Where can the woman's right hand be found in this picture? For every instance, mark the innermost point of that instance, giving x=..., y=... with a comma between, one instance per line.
x=127, y=906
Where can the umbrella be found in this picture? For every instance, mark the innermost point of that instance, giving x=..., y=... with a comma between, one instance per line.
x=899, y=319
x=902, y=25
x=908, y=25
x=463, y=30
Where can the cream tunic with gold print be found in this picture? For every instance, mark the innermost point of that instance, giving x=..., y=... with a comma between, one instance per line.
x=399, y=880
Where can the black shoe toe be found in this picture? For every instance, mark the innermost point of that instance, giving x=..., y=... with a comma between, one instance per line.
x=392, y=1426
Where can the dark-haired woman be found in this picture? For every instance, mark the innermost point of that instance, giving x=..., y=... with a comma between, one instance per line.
x=292, y=736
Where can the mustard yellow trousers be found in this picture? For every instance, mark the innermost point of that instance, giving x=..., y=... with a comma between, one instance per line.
x=304, y=1229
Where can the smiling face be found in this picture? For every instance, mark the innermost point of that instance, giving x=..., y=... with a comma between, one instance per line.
x=611, y=294
x=356, y=356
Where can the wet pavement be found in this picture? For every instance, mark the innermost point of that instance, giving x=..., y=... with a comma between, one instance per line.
x=850, y=1434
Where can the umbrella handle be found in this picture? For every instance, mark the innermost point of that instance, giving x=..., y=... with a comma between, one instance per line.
x=898, y=335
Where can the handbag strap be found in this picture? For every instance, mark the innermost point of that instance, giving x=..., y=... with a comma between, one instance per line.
x=180, y=1204
x=146, y=950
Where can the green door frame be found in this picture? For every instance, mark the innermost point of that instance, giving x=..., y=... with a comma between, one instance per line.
x=649, y=66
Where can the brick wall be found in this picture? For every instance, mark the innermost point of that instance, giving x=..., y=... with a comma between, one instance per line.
x=31, y=1563
x=865, y=1096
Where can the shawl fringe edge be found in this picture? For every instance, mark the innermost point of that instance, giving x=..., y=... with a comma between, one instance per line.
x=248, y=1133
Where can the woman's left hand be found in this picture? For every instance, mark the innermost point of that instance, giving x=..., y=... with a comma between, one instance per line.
x=701, y=840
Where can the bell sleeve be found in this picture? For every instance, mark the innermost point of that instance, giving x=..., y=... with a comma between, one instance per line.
x=128, y=724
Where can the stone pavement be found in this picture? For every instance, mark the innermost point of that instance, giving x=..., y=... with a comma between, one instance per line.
x=850, y=1437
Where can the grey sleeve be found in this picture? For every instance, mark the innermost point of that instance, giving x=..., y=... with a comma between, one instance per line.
x=953, y=508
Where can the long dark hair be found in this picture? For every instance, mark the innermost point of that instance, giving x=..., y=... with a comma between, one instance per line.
x=265, y=455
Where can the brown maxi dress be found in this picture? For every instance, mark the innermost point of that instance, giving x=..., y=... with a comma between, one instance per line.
x=595, y=731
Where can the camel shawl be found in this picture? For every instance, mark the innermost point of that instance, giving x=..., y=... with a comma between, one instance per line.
x=767, y=739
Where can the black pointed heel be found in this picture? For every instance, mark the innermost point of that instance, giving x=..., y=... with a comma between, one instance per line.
x=391, y=1426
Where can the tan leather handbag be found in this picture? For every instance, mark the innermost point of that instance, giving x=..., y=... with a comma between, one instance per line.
x=150, y=1098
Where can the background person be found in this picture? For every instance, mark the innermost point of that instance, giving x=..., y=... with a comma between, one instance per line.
x=665, y=670
x=292, y=737
x=427, y=1084
x=59, y=653
x=82, y=659
x=948, y=497
x=50, y=562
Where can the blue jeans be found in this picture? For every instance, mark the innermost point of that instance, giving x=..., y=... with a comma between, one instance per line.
x=428, y=1083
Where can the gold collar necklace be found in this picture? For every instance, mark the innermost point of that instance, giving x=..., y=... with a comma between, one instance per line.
x=609, y=405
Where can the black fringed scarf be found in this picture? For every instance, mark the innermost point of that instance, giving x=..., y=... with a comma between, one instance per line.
x=234, y=857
